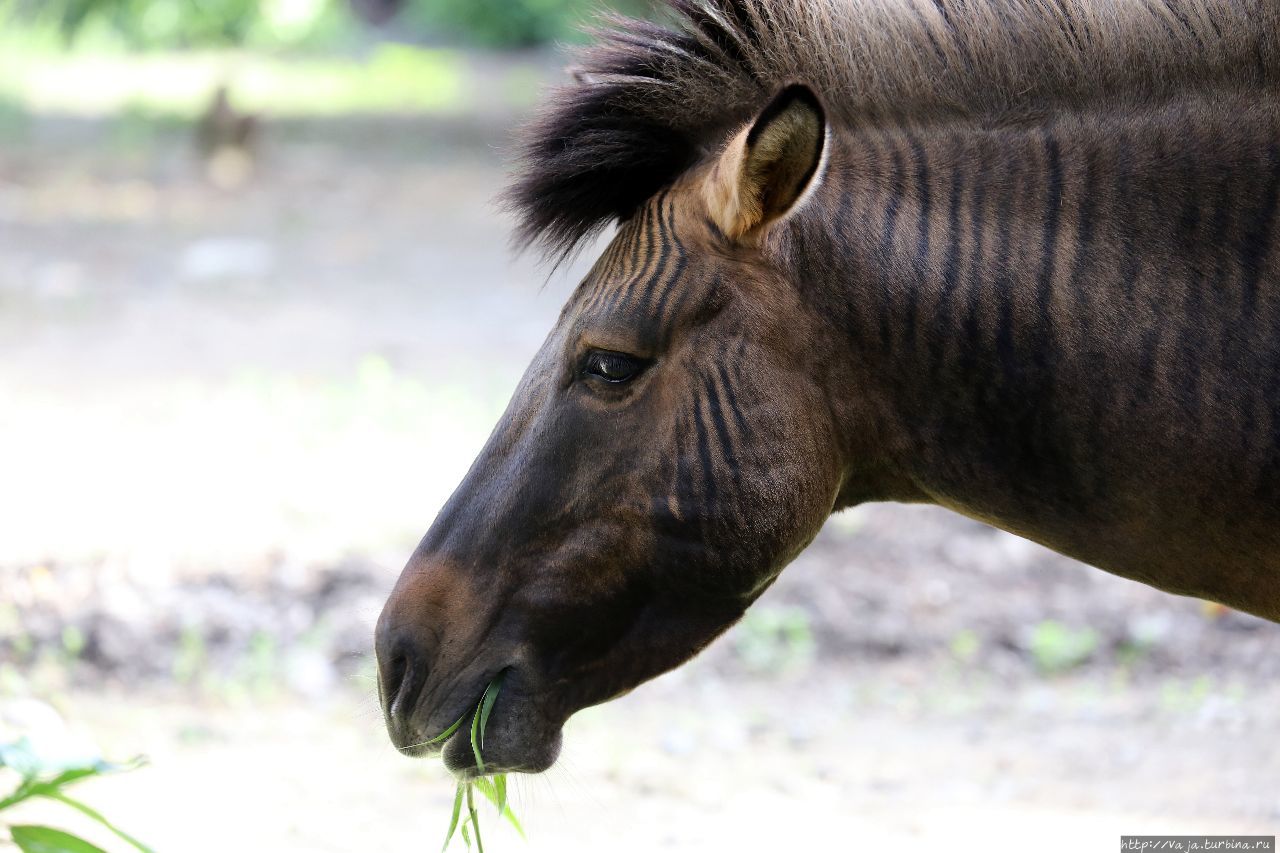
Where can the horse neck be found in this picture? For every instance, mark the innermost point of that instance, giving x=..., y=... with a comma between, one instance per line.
x=1023, y=303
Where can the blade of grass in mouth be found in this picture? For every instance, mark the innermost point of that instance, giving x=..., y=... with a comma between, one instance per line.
x=444, y=735
x=453, y=821
x=475, y=818
x=495, y=789
x=480, y=721
x=490, y=790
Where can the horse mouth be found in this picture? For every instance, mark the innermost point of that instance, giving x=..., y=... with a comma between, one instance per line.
x=408, y=739
x=506, y=749
x=518, y=737
x=417, y=734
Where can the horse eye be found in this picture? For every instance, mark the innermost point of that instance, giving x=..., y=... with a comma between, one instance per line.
x=612, y=366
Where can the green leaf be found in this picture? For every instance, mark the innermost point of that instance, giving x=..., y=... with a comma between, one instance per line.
x=24, y=791
x=55, y=794
x=70, y=777
x=475, y=818
x=23, y=757
x=475, y=745
x=453, y=821
x=494, y=789
x=42, y=839
x=486, y=703
x=491, y=792
x=480, y=720
x=98, y=768
x=500, y=786
x=444, y=735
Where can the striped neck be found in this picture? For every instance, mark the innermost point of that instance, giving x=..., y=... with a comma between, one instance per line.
x=1026, y=305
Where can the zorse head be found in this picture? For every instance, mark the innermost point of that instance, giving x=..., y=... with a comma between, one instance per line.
x=668, y=451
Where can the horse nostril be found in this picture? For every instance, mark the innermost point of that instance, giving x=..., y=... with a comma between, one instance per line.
x=402, y=675
x=405, y=658
x=391, y=677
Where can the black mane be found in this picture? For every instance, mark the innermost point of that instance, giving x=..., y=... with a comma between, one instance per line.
x=597, y=152
x=647, y=99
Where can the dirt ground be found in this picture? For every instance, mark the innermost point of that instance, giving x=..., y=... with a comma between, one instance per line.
x=843, y=758
x=227, y=415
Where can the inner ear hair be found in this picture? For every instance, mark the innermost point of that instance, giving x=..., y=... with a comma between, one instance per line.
x=783, y=156
x=765, y=171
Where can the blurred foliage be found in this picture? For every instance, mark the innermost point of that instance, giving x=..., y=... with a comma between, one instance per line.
x=141, y=91
x=514, y=22
x=965, y=645
x=1057, y=648
x=159, y=24
x=146, y=24
x=42, y=774
x=775, y=639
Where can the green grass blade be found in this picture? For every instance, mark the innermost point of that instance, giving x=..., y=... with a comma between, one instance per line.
x=475, y=742
x=475, y=818
x=489, y=788
x=33, y=786
x=24, y=791
x=43, y=839
x=486, y=704
x=500, y=786
x=70, y=777
x=55, y=794
x=444, y=735
x=98, y=768
x=453, y=821
x=481, y=720
x=494, y=789
x=515, y=824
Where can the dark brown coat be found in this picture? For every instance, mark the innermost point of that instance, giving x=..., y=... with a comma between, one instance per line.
x=1015, y=257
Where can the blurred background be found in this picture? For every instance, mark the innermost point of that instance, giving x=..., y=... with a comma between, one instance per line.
x=257, y=314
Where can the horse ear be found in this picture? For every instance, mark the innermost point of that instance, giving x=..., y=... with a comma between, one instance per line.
x=765, y=169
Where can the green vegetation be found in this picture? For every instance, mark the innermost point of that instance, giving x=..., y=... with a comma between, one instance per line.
x=156, y=63
x=1185, y=695
x=775, y=639
x=1057, y=648
x=493, y=788
x=513, y=23
x=965, y=645
x=168, y=24
x=150, y=24
x=88, y=82
x=41, y=778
